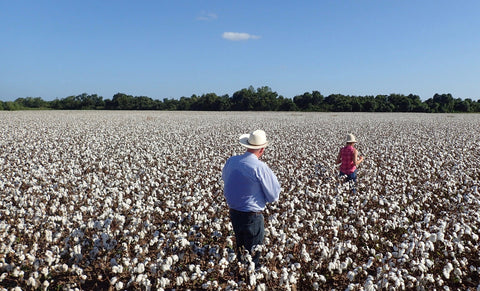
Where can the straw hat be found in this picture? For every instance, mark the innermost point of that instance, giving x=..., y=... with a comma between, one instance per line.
x=351, y=138
x=254, y=140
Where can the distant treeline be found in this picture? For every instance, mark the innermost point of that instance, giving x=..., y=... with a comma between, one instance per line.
x=251, y=99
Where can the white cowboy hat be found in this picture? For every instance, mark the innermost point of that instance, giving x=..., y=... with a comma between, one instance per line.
x=351, y=138
x=254, y=140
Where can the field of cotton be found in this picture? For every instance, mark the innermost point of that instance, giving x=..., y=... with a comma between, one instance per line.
x=93, y=200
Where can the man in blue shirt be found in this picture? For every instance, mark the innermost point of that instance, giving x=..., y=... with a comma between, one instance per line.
x=248, y=185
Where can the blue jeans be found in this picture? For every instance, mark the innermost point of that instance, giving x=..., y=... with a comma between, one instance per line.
x=350, y=177
x=249, y=231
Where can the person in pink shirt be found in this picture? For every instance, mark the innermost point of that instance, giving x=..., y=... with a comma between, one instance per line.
x=349, y=160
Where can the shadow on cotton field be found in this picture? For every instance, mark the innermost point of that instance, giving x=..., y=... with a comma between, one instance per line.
x=134, y=200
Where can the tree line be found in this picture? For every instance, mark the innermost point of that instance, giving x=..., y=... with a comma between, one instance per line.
x=251, y=99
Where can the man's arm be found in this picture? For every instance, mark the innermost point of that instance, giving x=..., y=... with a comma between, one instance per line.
x=270, y=185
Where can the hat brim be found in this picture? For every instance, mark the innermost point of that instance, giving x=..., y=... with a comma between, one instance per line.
x=243, y=140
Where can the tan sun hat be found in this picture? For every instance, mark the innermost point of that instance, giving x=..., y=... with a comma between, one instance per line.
x=254, y=140
x=351, y=138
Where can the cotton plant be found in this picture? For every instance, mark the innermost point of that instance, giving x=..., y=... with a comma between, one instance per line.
x=121, y=201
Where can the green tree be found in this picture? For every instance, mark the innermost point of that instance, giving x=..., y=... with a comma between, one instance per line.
x=225, y=103
x=243, y=100
x=185, y=103
x=443, y=103
x=339, y=103
x=310, y=101
x=370, y=104
x=416, y=104
x=12, y=106
x=143, y=103
x=207, y=102
x=286, y=104
x=475, y=106
x=400, y=103
x=69, y=103
x=382, y=104
x=170, y=104
x=266, y=99
x=461, y=105
x=121, y=101
x=32, y=102
x=356, y=103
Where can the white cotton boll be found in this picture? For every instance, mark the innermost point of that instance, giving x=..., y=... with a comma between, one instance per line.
x=322, y=278
x=261, y=287
x=296, y=266
x=351, y=275
x=48, y=235
x=17, y=272
x=474, y=237
x=269, y=256
x=458, y=272
x=30, y=257
x=229, y=241
x=64, y=268
x=44, y=271
x=140, y=278
x=252, y=280
x=430, y=246
x=140, y=268
x=411, y=246
x=292, y=278
x=231, y=257
x=421, y=247
x=32, y=282
x=191, y=267
x=369, y=263
x=251, y=267
x=280, y=257
x=429, y=263
x=369, y=284
x=223, y=263
x=447, y=269
x=117, y=269
x=119, y=285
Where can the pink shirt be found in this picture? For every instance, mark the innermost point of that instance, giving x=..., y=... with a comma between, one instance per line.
x=348, y=164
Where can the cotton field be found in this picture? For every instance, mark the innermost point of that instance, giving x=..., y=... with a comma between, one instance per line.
x=98, y=200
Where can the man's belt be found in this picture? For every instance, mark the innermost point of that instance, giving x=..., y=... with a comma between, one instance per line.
x=245, y=213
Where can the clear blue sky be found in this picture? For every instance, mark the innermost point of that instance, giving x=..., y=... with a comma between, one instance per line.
x=169, y=49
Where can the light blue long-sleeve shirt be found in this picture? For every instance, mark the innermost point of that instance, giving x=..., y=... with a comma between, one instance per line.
x=249, y=183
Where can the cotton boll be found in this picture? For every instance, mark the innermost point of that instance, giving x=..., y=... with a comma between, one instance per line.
x=119, y=285
x=140, y=268
x=351, y=275
x=447, y=270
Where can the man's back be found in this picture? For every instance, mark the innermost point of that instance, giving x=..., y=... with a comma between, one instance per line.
x=249, y=183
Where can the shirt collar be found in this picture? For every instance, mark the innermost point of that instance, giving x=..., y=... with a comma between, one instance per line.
x=249, y=154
